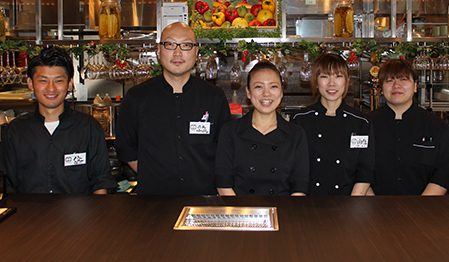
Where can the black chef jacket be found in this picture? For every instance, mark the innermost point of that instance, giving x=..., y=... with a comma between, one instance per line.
x=37, y=162
x=334, y=166
x=410, y=153
x=254, y=164
x=153, y=127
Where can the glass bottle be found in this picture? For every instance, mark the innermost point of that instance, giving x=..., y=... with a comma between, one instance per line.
x=343, y=19
x=110, y=19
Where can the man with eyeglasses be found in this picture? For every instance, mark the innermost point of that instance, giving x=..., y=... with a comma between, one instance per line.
x=168, y=126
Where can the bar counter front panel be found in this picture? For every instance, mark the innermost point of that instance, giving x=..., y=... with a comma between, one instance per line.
x=140, y=228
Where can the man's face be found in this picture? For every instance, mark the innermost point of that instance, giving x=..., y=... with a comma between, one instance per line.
x=177, y=62
x=50, y=86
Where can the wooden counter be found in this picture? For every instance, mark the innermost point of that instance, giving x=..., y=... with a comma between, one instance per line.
x=139, y=228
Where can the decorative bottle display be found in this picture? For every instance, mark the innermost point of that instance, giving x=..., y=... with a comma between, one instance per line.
x=2, y=25
x=343, y=19
x=107, y=99
x=110, y=19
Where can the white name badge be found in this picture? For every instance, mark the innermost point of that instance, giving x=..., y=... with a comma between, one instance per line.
x=75, y=159
x=199, y=128
x=359, y=141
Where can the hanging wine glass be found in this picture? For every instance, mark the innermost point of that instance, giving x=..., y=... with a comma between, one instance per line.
x=282, y=67
x=305, y=70
x=11, y=73
x=23, y=72
x=211, y=67
x=438, y=74
x=15, y=70
x=236, y=71
x=4, y=74
x=201, y=67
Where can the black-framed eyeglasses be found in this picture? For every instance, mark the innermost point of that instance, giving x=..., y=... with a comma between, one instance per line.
x=183, y=46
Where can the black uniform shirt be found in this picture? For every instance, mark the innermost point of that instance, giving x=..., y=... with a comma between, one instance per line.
x=334, y=166
x=254, y=164
x=37, y=162
x=154, y=128
x=410, y=153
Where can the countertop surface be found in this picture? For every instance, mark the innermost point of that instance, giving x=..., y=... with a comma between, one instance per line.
x=125, y=227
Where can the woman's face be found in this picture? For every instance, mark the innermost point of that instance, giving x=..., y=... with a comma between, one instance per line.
x=399, y=91
x=265, y=91
x=331, y=86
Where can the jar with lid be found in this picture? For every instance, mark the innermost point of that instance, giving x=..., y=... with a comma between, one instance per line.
x=343, y=19
x=2, y=25
x=110, y=19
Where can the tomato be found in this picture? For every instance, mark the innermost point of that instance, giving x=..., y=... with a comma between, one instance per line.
x=264, y=15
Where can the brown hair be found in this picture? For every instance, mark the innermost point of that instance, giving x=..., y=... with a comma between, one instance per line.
x=396, y=68
x=329, y=64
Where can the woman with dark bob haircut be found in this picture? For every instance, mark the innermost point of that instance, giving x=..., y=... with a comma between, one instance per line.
x=341, y=150
x=261, y=153
x=412, y=144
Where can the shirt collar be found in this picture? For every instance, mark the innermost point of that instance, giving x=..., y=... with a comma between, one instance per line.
x=64, y=115
x=246, y=130
x=406, y=115
x=166, y=86
x=322, y=110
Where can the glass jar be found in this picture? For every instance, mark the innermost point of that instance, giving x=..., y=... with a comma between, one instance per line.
x=343, y=19
x=110, y=19
x=2, y=25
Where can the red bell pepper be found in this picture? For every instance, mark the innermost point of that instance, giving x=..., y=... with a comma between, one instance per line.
x=255, y=23
x=269, y=22
x=201, y=6
x=231, y=15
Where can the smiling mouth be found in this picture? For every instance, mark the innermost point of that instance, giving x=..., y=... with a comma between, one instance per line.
x=266, y=102
x=51, y=96
x=332, y=91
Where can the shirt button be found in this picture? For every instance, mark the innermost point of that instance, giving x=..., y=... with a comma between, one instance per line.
x=50, y=191
x=251, y=191
x=399, y=178
x=320, y=135
x=179, y=137
x=50, y=166
x=345, y=115
x=271, y=191
x=51, y=141
x=275, y=148
x=399, y=139
x=318, y=159
x=338, y=161
x=316, y=113
x=399, y=159
x=317, y=184
x=254, y=146
x=182, y=179
x=336, y=187
x=178, y=116
x=252, y=169
x=273, y=170
x=177, y=95
x=181, y=158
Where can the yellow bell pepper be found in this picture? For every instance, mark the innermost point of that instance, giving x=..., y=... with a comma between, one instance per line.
x=203, y=25
x=218, y=18
x=269, y=5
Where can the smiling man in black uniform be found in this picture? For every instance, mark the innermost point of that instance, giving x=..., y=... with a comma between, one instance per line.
x=55, y=149
x=412, y=144
x=168, y=126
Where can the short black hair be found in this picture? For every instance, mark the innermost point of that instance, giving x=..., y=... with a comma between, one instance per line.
x=52, y=56
x=264, y=64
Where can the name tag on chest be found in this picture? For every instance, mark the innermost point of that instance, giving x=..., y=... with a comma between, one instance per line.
x=75, y=159
x=199, y=128
x=359, y=142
